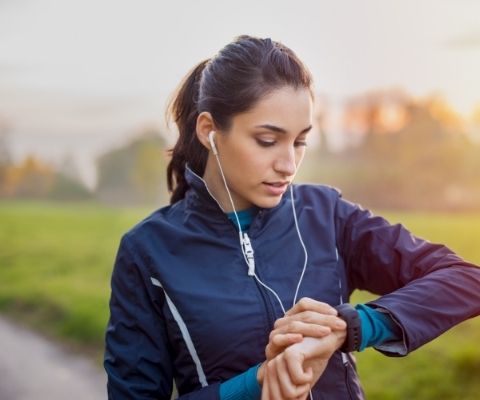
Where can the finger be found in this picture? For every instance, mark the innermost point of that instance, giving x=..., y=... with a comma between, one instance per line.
x=285, y=339
x=280, y=342
x=302, y=328
x=309, y=304
x=288, y=388
x=294, y=361
x=310, y=317
x=273, y=384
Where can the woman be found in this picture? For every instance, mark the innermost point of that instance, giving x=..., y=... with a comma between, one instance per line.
x=207, y=291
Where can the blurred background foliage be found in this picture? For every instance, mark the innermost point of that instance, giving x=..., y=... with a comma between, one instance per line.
x=78, y=76
x=56, y=261
x=400, y=153
x=415, y=158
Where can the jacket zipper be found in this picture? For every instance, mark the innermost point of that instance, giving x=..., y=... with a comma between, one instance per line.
x=266, y=302
x=266, y=299
x=346, y=364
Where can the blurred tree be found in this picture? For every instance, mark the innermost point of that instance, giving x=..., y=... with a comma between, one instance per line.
x=68, y=183
x=134, y=173
x=475, y=125
x=476, y=115
x=405, y=154
x=32, y=178
x=375, y=112
x=5, y=156
x=69, y=168
x=66, y=188
x=421, y=164
x=441, y=111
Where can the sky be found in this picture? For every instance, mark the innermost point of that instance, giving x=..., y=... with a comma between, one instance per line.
x=78, y=77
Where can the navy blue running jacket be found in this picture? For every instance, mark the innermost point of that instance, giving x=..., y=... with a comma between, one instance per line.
x=184, y=309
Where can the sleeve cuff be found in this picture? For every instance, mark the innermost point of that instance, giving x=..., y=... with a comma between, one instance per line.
x=380, y=330
x=242, y=387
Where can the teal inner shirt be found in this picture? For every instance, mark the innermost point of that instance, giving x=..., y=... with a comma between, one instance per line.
x=245, y=217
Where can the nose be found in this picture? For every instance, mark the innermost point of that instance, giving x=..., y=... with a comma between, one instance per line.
x=285, y=164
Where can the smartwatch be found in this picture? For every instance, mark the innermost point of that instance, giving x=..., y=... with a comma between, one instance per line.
x=354, y=329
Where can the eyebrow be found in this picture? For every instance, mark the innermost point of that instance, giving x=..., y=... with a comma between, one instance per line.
x=280, y=130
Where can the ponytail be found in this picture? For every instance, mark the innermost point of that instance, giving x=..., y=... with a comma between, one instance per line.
x=183, y=110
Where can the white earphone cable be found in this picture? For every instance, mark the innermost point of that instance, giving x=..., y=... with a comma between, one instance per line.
x=241, y=234
x=251, y=260
x=231, y=200
x=303, y=246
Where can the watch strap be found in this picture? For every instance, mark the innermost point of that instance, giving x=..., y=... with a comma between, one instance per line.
x=354, y=327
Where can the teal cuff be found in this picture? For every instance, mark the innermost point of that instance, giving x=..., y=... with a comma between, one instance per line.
x=377, y=327
x=242, y=387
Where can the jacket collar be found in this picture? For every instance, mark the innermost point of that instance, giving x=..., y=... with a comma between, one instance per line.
x=198, y=192
x=198, y=197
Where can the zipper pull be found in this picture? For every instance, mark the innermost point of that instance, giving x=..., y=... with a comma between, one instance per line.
x=344, y=359
x=248, y=252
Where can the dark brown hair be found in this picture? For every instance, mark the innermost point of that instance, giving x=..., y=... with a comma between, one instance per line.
x=228, y=84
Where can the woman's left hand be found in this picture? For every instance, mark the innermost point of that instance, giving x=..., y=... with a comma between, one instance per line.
x=291, y=374
x=284, y=377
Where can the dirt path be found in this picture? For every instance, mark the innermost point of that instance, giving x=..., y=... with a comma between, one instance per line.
x=33, y=368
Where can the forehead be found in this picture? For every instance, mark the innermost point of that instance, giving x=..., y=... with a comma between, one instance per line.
x=287, y=108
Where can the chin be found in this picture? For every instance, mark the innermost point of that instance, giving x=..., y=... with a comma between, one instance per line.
x=268, y=202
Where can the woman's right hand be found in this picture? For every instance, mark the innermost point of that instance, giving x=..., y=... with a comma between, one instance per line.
x=308, y=318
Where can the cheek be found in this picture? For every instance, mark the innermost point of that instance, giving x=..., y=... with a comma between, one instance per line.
x=255, y=167
x=251, y=160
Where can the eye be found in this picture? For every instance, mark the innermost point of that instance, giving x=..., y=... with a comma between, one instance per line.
x=300, y=143
x=265, y=143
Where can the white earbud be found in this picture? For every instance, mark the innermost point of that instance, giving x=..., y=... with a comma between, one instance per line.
x=211, y=136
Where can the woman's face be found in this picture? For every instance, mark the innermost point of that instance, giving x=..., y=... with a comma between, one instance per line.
x=262, y=150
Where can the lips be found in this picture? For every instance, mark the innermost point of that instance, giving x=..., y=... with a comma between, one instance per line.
x=276, y=184
x=276, y=188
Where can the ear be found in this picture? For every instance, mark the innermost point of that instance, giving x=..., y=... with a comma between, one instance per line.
x=204, y=126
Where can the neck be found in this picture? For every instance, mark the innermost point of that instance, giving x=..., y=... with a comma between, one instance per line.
x=216, y=186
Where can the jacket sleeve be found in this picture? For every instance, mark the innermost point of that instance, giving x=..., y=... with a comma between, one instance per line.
x=426, y=287
x=137, y=357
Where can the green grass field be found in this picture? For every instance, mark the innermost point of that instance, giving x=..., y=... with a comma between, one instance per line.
x=56, y=261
